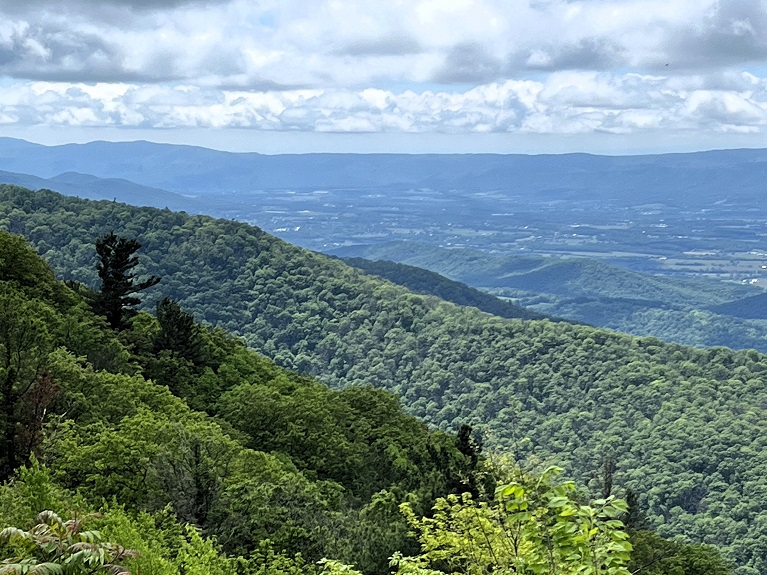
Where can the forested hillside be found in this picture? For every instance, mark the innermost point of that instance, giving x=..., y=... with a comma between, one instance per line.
x=425, y=282
x=687, y=311
x=105, y=468
x=321, y=476
x=748, y=308
x=682, y=427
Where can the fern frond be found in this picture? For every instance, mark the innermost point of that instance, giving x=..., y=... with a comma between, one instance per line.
x=46, y=569
x=15, y=534
x=51, y=518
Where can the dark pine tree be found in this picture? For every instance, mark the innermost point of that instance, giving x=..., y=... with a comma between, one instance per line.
x=471, y=449
x=178, y=334
x=634, y=519
x=117, y=260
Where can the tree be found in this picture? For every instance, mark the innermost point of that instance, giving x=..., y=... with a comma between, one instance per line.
x=535, y=527
x=653, y=555
x=20, y=265
x=116, y=299
x=178, y=334
x=25, y=343
x=471, y=448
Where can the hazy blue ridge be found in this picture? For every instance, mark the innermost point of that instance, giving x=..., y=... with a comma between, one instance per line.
x=91, y=187
x=672, y=179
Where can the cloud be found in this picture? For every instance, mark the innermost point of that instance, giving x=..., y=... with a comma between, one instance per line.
x=155, y=4
x=543, y=66
x=394, y=45
x=23, y=6
x=595, y=53
x=466, y=63
x=61, y=54
x=733, y=32
x=327, y=43
x=726, y=111
x=564, y=103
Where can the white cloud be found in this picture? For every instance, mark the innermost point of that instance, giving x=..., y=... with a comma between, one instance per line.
x=356, y=43
x=564, y=103
x=416, y=66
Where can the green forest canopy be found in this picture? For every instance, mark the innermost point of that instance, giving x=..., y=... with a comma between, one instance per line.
x=104, y=415
x=699, y=312
x=327, y=476
x=684, y=426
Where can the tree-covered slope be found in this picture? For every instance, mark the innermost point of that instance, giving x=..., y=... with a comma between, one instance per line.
x=559, y=276
x=169, y=493
x=273, y=463
x=754, y=307
x=684, y=426
x=426, y=282
x=690, y=312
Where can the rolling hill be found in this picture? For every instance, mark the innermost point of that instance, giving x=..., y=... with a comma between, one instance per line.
x=93, y=188
x=687, y=311
x=423, y=281
x=754, y=307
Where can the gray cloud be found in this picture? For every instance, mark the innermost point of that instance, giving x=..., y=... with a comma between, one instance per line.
x=733, y=33
x=33, y=50
x=59, y=54
x=468, y=62
x=717, y=80
x=394, y=45
x=53, y=51
x=719, y=110
x=598, y=53
x=153, y=4
x=281, y=45
x=24, y=6
x=240, y=82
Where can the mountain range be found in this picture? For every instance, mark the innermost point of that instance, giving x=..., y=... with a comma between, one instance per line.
x=675, y=179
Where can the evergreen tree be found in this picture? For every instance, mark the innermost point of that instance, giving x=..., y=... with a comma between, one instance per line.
x=178, y=334
x=471, y=448
x=116, y=299
x=634, y=519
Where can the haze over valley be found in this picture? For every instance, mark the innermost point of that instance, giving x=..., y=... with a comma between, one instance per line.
x=673, y=246
x=694, y=215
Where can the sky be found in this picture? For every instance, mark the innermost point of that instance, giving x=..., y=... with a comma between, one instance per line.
x=276, y=76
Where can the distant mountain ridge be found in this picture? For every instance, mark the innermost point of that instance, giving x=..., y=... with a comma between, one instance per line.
x=676, y=179
x=91, y=187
